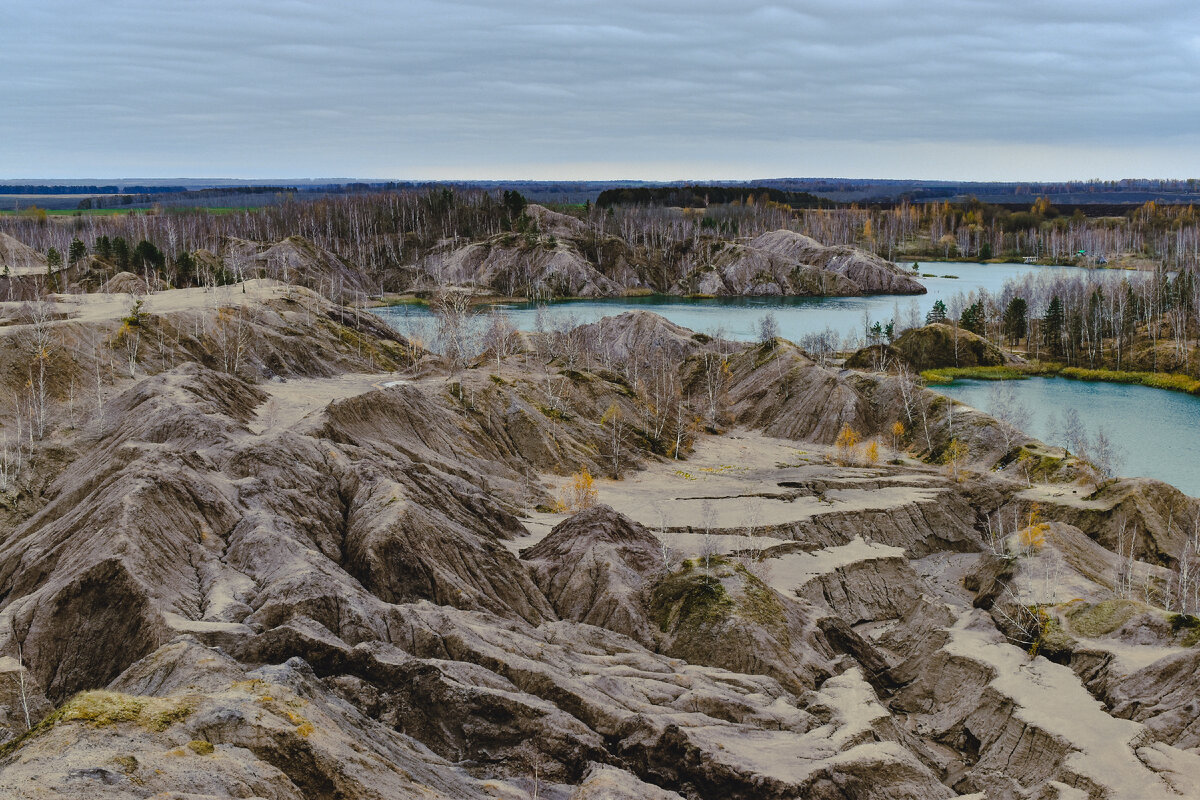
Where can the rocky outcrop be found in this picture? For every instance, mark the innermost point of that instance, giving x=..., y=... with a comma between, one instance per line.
x=312, y=583
x=787, y=263
x=1146, y=512
x=558, y=255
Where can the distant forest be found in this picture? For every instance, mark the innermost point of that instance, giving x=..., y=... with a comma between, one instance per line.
x=1094, y=198
x=703, y=196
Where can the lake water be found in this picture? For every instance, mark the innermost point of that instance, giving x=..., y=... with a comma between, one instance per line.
x=1156, y=432
x=797, y=316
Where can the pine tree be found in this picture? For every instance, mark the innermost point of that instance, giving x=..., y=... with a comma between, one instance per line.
x=1015, y=324
x=1052, y=326
x=936, y=314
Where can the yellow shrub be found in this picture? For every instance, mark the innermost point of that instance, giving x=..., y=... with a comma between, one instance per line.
x=579, y=493
x=847, y=440
x=1033, y=536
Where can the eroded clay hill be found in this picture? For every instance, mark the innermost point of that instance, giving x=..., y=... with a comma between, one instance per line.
x=336, y=569
x=562, y=256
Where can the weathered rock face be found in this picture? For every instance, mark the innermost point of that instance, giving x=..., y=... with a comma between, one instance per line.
x=298, y=261
x=788, y=263
x=292, y=589
x=596, y=568
x=1146, y=512
x=782, y=392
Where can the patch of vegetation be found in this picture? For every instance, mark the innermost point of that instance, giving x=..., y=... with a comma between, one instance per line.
x=496, y=379
x=1156, y=380
x=1103, y=618
x=1188, y=626
x=1038, y=464
x=575, y=376
x=691, y=600
x=554, y=413
x=1169, y=381
x=200, y=747
x=103, y=708
x=760, y=604
x=407, y=300
x=654, y=444
x=951, y=374
x=1053, y=641
x=622, y=384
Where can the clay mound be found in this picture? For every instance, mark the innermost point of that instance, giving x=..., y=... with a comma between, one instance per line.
x=642, y=334
x=507, y=264
x=552, y=223
x=787, y=263
x=298, y=261
x=877, y=358
x=18, y=258
x=128, y=283
x=933, y=346
x=594, y=568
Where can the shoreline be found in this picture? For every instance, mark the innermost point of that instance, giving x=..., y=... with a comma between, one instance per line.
x=1166, y=381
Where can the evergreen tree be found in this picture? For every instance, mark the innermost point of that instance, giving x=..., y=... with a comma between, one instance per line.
x=1052, y=326
x=1015, y=320
x=936, y=314
x=147, y=254
x=77, y=251
x=120, y=251
x=974, y=318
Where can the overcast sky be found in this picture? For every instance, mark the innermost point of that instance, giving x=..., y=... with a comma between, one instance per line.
x=654, y=89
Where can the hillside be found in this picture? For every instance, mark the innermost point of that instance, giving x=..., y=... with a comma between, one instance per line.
x=559, y=255
x=337, y=567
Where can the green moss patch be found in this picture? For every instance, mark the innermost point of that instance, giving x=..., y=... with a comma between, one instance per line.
x=101, y=709
x=760, y=604
x=1103, y=618
x=690, y=600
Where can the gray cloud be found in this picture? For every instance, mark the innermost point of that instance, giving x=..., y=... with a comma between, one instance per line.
x=577, y=88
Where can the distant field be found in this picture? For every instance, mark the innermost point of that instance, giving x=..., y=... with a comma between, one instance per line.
x=108, y=212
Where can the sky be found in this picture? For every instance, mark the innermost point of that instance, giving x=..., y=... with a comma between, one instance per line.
x=576, y=89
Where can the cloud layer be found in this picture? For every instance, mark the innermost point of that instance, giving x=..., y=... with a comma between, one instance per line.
x=576, y=88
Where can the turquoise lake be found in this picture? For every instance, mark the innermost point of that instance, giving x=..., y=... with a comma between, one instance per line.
x=1156, y=433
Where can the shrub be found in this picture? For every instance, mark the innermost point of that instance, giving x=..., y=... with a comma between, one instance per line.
x=579, y=493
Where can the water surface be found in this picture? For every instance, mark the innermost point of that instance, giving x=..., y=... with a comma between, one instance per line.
x=1156, y=432
x=738, y=317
